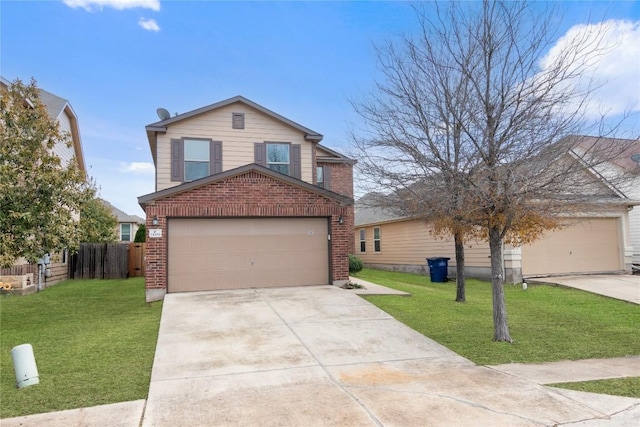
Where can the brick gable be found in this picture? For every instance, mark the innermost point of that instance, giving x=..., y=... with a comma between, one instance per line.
x=250, y=194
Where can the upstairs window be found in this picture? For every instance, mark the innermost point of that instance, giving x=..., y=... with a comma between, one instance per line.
x=320, y=176
x=323, y=177
x=282, y=157
x=278, y=157
x=196, y=159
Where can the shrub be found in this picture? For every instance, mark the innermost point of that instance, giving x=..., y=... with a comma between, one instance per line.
x=355, y=264
x=141, y=234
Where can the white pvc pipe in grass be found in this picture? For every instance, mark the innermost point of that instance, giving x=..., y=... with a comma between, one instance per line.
x=24, y=364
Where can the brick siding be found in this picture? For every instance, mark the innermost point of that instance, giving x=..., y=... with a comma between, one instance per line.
x=251, y=195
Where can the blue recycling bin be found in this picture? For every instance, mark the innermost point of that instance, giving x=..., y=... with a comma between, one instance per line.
x=438, y=269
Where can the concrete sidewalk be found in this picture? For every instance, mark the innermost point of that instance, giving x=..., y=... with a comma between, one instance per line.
x=624, y=287
x=567, y=371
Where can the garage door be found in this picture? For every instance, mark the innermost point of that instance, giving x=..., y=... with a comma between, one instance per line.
x=587, y=246
x=212, y=254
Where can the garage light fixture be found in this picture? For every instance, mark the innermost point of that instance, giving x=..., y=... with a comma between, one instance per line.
x=154, y=221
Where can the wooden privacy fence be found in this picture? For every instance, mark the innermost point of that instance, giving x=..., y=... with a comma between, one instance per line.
x=19, y=270
x=136, y=259
x=100, y=261
x=107, y=261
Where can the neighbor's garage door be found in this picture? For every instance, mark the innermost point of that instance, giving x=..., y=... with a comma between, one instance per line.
x=211, y=254
x=591, y=245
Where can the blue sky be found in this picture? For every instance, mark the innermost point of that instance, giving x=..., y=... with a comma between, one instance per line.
x=116, y=61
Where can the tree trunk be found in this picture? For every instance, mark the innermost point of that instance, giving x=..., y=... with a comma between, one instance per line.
x=500, y=325
x=460, y=285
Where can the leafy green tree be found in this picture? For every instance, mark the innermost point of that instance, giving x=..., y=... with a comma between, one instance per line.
x=40, y=197
x=97, y=223
x=141, y=234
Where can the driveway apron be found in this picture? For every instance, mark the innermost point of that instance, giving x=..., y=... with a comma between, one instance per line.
x=321, y=356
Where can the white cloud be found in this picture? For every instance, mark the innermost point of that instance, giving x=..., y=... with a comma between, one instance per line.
x=612, y=58
x=137, y=168
x=90, y=5
x=149, y=24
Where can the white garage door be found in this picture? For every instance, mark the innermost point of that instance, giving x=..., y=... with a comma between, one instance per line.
x=588, y=246
x=212, y=254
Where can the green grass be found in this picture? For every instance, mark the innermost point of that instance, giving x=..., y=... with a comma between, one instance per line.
x=629, y=387
x=547, y=323
x=93, y=340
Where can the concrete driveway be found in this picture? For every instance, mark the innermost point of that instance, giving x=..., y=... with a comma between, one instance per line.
x=322, y=356
x=624, y=287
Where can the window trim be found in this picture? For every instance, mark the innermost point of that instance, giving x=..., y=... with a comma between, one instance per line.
x=178, y=161
x=130, y=231
x=288, y=163
x=363, y=240
x=377, y=246
x=185, y=160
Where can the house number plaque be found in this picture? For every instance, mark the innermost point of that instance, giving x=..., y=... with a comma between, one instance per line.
x=155, y=232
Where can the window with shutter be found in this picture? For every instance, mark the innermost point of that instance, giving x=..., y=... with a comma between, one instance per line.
x=282, y=157
x=194, y=158
x=323, y=177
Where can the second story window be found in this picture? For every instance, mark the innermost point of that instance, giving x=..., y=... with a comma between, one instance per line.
x=278, y=157
x=196, y=159
x=320, y=176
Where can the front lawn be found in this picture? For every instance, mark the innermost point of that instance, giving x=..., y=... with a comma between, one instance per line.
x=547, y=323
x=93, y=340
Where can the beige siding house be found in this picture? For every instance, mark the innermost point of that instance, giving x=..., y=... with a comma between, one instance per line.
x=60, y=110
x=628, y=164
x=590, y=242
x=127, y=224
x=244, y=198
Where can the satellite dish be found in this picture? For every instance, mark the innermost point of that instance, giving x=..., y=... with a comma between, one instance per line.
x=163, y=114
x=636, y=158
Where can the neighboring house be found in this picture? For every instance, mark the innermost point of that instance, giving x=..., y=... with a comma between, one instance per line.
x=127, y=224
x=628, y=163
x=592, y=242
x=59, y=109
x=244, y=198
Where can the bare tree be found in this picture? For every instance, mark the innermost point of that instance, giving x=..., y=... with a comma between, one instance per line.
x=468, y=130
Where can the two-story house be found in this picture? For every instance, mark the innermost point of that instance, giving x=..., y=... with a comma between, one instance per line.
x=59, y=110
x=244, y=198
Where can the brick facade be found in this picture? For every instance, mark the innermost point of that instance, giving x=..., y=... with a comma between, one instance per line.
x=252, y=194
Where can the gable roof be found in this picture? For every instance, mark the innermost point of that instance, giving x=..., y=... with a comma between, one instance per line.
x=161, y=126
x=333, y=156
x=56, y=106
x=253, y=167
x=122, y=216
x=630, y=147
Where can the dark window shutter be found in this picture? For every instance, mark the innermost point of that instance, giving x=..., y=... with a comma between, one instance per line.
x=327, y=177
x=215, y=156
x=177, y=160
x=296, y=162
x=260, y=153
